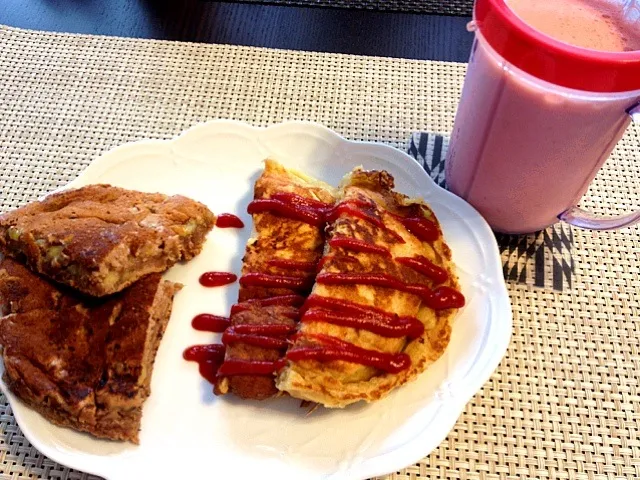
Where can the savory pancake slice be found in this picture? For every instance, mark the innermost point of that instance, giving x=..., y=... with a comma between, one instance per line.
x=82, y=363
x=99, y=239
x=279, y=267
x=21, y=291
x=381, y=309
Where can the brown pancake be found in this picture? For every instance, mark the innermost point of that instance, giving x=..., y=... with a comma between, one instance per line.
x=275, y=238
x=82, y=363
x=100, y=239
x=337, y=383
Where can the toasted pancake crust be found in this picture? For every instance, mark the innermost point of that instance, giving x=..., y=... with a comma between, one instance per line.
x=275, y=237
x=82, y=363
x=278, y=237
x=20, y=296
x=100, y=239
x=339, y=383
x=257, y=387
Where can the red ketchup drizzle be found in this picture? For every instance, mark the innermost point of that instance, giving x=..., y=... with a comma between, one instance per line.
x=332, y=348
x=248, y=367
x=273, y=330
x=208, y=357
x=301, y=201
x=424, y=229
x=210, y=323
x=272, y=336
x=286, y=300
x=275, y=281
x=286, y=210
x=266, y=336
x=426, y=267
x=349, y=207
x=217, y=279
x=446, y=297
x=230, y=337
x=316, y=213
x=380, y=325
x=377, y=279
x=292, y=265
x=227, y=220
x=375, y=317
x=290, y=205
x=357, y=245
x=438, y=299
x=315, y=300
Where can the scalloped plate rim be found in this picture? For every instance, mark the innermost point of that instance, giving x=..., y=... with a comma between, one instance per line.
x=416, y=447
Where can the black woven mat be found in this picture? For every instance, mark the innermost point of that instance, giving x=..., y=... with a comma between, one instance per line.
x=542, y=259
x=441, y=7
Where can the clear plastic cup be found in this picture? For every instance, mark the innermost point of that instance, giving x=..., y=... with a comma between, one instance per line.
x=529, y=137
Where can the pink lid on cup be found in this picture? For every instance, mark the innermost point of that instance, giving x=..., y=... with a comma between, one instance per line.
x=552, y=60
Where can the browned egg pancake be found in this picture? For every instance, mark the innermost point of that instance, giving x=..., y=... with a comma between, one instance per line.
x=381, y=309
x=82, y=362
x=279, y=267
x=100, y=239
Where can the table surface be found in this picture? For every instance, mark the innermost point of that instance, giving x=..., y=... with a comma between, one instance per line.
x=565, y=401
x=363, y=32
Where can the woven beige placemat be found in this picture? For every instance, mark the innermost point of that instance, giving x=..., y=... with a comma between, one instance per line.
x=564, y=402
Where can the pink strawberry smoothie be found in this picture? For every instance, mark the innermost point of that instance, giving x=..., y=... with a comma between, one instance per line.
x=590, y=24
x=524, y=150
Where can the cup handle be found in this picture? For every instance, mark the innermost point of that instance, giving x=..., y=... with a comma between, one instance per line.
x=581, y=218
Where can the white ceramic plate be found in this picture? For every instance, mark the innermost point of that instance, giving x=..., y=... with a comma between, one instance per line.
x=187, y=432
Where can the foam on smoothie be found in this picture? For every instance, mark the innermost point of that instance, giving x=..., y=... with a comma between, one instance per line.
x=593, y=24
